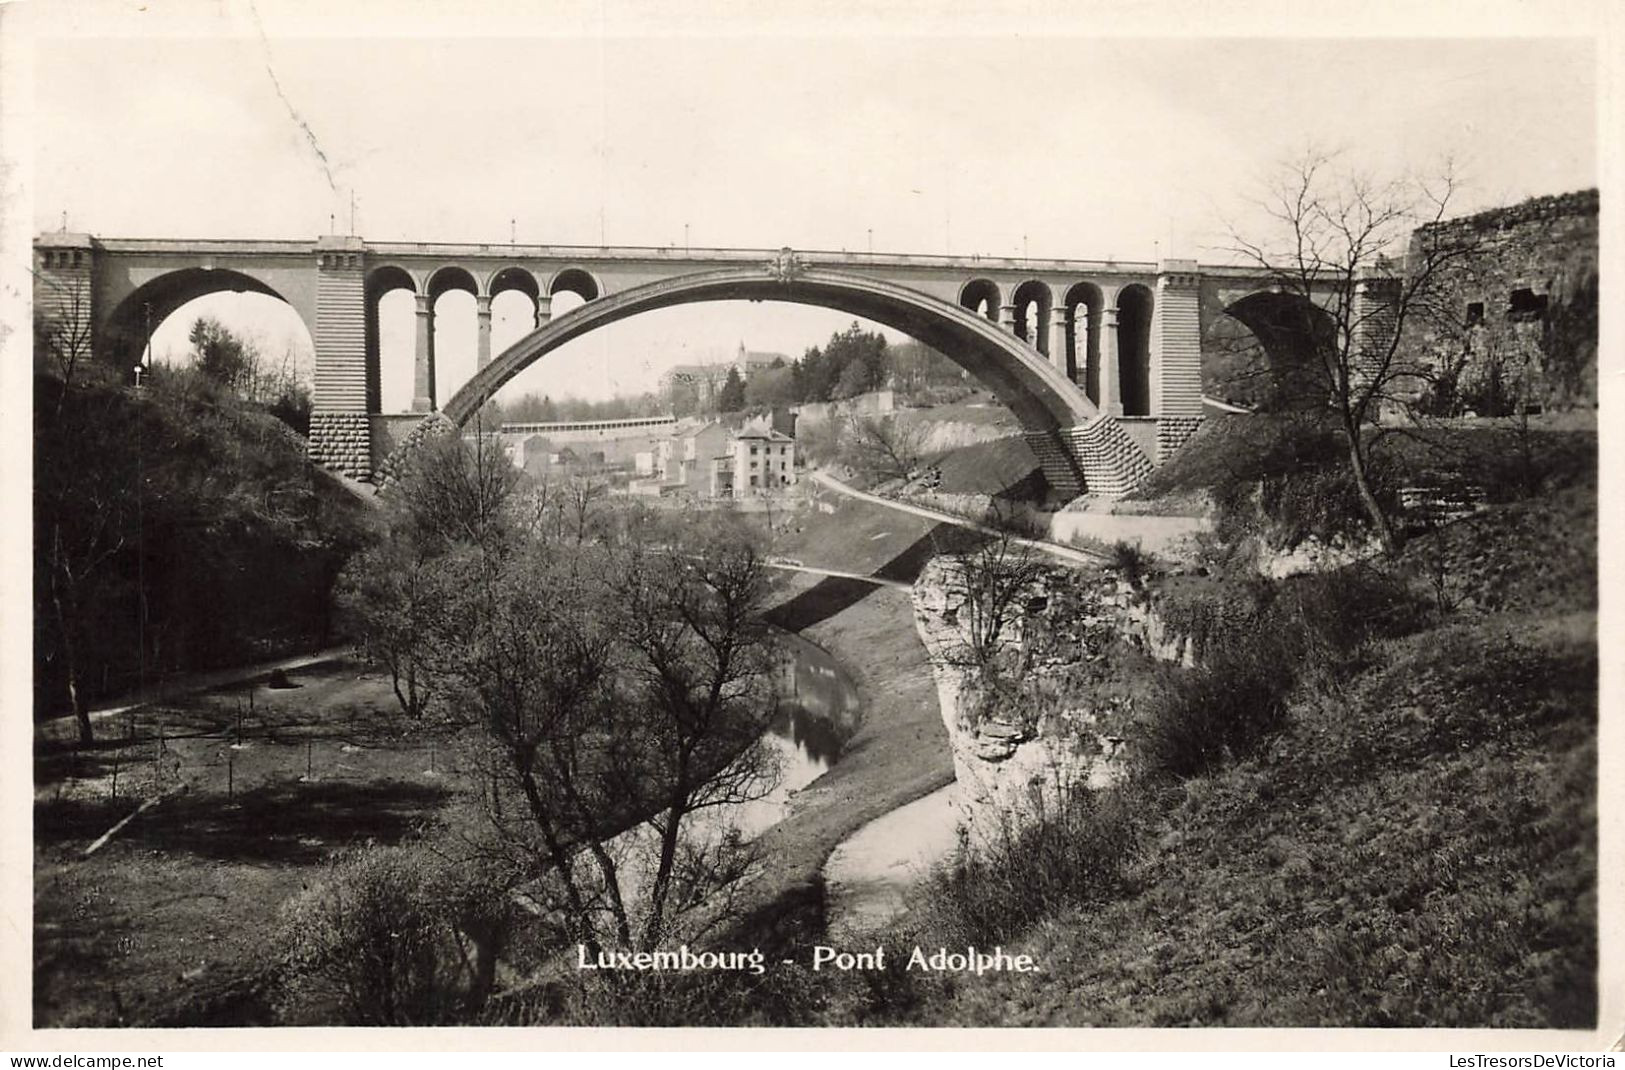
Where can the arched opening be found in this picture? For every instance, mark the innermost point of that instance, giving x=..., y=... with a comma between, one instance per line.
x=981, y=296
x=123, y=336
x=1036, y=393
x=255, y=343
x=574, y=281
x=1134, y=349
x=1266, y=351
x=1083, y=307
x=391, y=329
x=513, y=315
x=453, y=330
x=1032, y=302
x=506, y=287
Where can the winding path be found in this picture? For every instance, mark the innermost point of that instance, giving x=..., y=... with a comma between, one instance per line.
x=1069, y=554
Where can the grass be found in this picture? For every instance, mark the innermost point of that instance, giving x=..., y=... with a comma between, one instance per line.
x=1004, y=467
x=175, y=915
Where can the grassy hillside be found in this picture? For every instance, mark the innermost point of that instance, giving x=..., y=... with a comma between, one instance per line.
x=1415, y=847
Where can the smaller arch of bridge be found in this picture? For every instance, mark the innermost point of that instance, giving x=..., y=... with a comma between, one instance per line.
x=382, y=281
x=1084, y=303
x=978, y=293
x=387, y=278
x=124, y=332
x=1134, y=307
x=1291, y=330
x=1034, y=330
x=576, y=280
x=450, y=277
x=513, y=277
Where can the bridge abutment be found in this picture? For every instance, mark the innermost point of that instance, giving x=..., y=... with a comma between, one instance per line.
x=1100, y=458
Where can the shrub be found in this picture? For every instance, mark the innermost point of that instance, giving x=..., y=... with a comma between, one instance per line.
x=379, y=942
x=1295, y=483
x=1131, y=561
x=1200, y=718
x=1326, y=621
x=1075, y=850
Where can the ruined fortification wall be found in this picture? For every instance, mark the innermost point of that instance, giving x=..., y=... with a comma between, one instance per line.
x=1524, y=295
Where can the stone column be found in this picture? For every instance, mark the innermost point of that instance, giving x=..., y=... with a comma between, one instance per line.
x=1176, y=353
x=340, y=430
x=544, y=309
x=423, y=377
x=1007, y=318
x=482, y=315
x=1111, y=385
x=1057, y=337
x=1373, y=319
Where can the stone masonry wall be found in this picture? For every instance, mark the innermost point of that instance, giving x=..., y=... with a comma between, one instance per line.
x=1548, y=247
x=434, y=425
x=341, y=442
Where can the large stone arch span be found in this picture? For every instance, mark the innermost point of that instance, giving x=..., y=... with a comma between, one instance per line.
x=1038, y=394
x=123, y=331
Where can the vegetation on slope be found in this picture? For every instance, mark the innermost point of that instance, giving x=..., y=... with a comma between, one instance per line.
x=1412, y=844
x=178, y=527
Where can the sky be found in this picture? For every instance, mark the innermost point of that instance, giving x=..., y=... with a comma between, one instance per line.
x=954, y=135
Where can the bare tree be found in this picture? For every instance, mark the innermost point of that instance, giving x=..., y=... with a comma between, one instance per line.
x=1361, y=252
x=579, y=497
x=64, y=332
x=85, y=487
x=389, y=597
x=884, y=448
x=992, y=578
x=700, y=666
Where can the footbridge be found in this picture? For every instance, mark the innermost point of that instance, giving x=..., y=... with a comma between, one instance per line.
x=1100, y=360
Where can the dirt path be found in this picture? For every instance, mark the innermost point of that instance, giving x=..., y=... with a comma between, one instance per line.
x=870, y=872
x=1069, y=554
x=64, y=728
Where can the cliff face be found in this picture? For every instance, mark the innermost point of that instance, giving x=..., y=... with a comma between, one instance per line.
x=1065, y=722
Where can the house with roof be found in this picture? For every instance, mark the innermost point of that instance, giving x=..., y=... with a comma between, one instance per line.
x=759, y=460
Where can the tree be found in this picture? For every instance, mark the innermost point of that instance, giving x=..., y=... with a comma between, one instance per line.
x=1332, y=239
x=883, y=447
x=220, y=355
x=615, y=678
x=457, y=490
x=732, y=396
x=64, y=333
x=992, y=579
x=578, y=498
x=700, y=664
x=389, y=595
x=86, y=511
x=856, y=378
x=770, y=388
x=616, y=685
x=80, y=500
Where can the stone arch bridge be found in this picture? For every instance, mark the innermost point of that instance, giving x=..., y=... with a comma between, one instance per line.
x=1099, y=360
